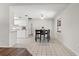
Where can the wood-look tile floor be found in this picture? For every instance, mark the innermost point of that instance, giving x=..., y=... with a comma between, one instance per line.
x=51, y=48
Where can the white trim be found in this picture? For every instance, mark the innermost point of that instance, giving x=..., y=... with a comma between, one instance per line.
x=67, y=47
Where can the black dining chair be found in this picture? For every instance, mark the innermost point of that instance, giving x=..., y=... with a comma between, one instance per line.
x=42, y=33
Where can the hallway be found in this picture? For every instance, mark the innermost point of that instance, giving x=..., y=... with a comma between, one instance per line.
x=51, y=48
x=61, y=19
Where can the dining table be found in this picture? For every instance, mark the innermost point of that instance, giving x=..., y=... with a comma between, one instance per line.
x=39, y=32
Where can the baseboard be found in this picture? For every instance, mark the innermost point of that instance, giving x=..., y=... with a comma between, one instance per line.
x=3, y=44
x=67, y=47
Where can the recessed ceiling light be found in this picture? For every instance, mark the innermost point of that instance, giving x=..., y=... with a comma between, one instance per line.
x=16, y=17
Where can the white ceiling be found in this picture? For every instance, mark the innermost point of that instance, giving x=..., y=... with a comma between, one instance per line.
x=35, y=10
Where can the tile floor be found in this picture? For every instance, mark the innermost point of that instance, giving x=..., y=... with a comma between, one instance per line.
x=51, y=48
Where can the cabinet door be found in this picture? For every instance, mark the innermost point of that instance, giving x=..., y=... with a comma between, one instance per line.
x=21, y=34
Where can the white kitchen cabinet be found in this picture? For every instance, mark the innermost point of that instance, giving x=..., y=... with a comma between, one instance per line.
x=12, y=38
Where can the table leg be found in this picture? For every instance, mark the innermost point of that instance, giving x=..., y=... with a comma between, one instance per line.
x=40, y=37
x=36, y=37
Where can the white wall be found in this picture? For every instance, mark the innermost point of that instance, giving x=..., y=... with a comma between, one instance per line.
x=4, y=25
x=46, y=23
x=69, y=35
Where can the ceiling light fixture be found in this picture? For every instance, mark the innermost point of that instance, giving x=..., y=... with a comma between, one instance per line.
x=42, y=16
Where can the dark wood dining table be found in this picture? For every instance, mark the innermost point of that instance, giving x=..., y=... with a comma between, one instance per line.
x=38, y=32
